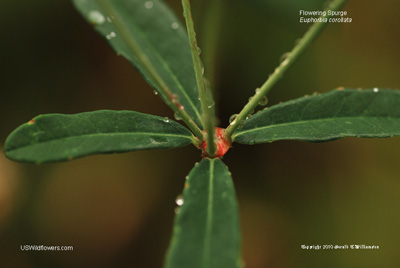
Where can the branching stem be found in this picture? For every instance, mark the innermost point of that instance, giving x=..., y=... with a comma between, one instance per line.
x=288, y=60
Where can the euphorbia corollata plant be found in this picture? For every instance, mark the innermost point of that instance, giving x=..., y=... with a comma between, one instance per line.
x=206, y=232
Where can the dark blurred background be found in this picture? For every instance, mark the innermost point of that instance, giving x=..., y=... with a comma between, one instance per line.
x=117, y=210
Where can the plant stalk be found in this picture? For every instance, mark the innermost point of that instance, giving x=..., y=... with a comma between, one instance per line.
x=288, y=60
x=206, y=99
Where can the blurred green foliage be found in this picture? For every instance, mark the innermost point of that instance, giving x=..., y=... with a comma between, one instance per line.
x=117, y=210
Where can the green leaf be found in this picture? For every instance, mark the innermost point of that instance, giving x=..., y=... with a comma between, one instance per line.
x=151, y=38
x=373, y=113
x=60, y=137
x=206, y=231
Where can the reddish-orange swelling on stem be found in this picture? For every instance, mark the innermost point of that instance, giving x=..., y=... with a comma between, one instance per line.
x=222, y=144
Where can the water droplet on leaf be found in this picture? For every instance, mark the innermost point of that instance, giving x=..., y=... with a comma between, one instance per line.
x=179, y=200
x=111, y=35
x=155, y=92
x=166, y=119
x=376, y=90
x=96, y=18
x=148, y=4
x=174, y=25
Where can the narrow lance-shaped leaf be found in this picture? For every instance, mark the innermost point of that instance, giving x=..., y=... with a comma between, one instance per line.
x=206, y=231
x=152, y=38
x=60, y=137
x=373, y=113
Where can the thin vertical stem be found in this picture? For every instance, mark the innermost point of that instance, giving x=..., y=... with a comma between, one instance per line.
x=207, y=103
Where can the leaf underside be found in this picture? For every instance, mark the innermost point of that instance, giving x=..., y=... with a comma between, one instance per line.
x=373, y=113
x=60, y=137
x=206, y=230
x=140, y=28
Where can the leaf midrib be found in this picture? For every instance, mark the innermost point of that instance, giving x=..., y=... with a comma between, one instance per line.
x=306, y=121
x=209, y=219
x=102, y=134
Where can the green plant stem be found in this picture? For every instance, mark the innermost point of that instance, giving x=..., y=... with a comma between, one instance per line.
x=170, y=98
x=289, y=59
x=211, y=29
x=207, y=103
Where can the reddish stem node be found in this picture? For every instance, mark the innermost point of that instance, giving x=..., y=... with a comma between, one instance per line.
x=222, y=144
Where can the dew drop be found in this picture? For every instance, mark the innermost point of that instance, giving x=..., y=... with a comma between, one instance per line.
x=177, y=116
x=232, y=119
x=148, y=4
x=174, y=25
x=284, y=57
x=376, y=90
x=96, y=18
x=177, y=210
x=196, y=164
x=198, y=50
x=111, y=35
x=110, y=19
x=263, y=102
x=155, y=92
x=179, y=200
x=250, y=98
x=258, y=90
x=187, y=177
x=166, y=119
